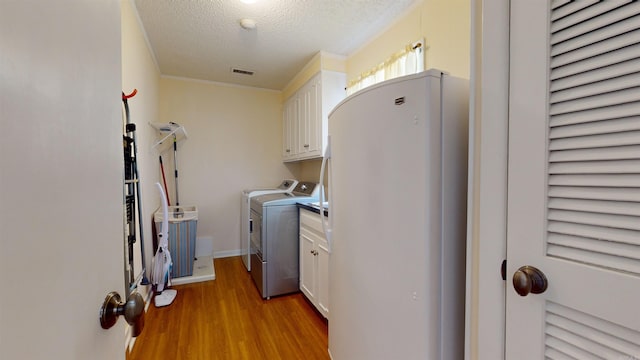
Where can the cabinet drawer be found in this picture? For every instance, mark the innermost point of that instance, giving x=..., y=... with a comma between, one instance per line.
x=311, y=221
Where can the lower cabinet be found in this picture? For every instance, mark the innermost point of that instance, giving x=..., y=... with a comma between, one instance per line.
x=314, y=261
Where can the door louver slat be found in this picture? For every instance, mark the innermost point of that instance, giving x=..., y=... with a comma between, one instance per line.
x=597, y=101
x=571, y=339
x=593, y=322
x=557, y=3
x=591, y=115
x=612, y=221
x=584, y=344
x=584, y=335
x=552, y=354
x=595, y=193
x=615, y=263
x=568, y=350
x=596, y=62
x=598, y=249
x=597, y=127
x=600, y=34
x=596, y=206
x=596, y=21
x=601, y=167
x=600, y=87
x=608, y=153
x=613, y=71
x=595, y=232
x=613, y=181
x=612, y=140
x=570, y=8
x=596, y=49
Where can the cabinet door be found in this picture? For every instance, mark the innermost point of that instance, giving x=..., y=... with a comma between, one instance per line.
x=304, y=96
x=289, y=119
x=313, y=142
x=322, y=275
x=310, y=119
x=307, y=265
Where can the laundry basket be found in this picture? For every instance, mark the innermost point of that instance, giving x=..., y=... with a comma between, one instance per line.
x=183, y=223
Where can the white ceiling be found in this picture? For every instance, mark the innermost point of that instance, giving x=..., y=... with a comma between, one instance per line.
x=202, y=39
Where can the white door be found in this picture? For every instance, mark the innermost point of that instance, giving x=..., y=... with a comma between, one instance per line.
x=61, y=169
x=574, y=179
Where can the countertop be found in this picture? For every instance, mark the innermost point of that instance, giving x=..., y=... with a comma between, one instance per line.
x=315, y=207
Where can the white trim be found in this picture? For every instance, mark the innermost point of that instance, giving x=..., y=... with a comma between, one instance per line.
x=227, y=253
x=487, y=211
x=181, y=78
x=328, y=55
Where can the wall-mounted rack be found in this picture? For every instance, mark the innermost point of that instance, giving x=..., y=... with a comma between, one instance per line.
x=168, y=131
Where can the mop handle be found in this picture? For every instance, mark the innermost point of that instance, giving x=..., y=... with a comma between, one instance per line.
x=164, y=180
x=175, y=166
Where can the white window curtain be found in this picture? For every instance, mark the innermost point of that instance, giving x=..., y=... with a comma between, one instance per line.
x=409, y=60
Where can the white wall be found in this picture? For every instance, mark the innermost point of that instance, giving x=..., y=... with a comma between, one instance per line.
x=234, y=143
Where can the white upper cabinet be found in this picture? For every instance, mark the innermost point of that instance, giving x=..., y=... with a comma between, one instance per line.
x=305, y=116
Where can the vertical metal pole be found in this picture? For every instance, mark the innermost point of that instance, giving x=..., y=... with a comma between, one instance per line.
x=175, y=166
x=138, y=190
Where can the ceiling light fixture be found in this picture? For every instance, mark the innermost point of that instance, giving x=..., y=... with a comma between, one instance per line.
x=248, y=24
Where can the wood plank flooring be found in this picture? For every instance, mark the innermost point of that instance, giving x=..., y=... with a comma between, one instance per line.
x=227, y=319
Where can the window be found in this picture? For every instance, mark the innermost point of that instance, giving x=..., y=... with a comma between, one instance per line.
x=409, y=60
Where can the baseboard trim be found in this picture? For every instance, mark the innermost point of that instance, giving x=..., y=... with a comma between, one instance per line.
x=228, y=253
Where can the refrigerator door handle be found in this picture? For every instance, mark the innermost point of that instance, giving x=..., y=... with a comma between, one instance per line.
x=326, y=226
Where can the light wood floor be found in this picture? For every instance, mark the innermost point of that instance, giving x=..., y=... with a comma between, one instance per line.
x=227, y=319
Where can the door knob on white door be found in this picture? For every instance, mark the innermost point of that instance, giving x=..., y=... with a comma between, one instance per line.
x=528, y=279
x=132, y=309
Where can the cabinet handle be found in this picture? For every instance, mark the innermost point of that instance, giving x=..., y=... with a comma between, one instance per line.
x=288, y=150
x=306, y=145
x=314, y=252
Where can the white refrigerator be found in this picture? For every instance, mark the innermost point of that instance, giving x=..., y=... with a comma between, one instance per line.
x=397, y=188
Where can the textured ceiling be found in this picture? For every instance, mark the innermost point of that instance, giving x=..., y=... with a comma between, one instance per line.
x=202, y=39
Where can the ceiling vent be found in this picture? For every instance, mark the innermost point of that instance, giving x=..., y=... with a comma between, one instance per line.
x=242, y=71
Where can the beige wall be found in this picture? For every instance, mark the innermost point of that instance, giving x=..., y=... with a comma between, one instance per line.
x=445, y=26
x=234, y=143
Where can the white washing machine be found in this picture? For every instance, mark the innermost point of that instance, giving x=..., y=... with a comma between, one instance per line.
x=286, y=186
x=274, y=239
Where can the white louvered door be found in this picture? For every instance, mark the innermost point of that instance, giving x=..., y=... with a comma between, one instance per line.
x=574, y=179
